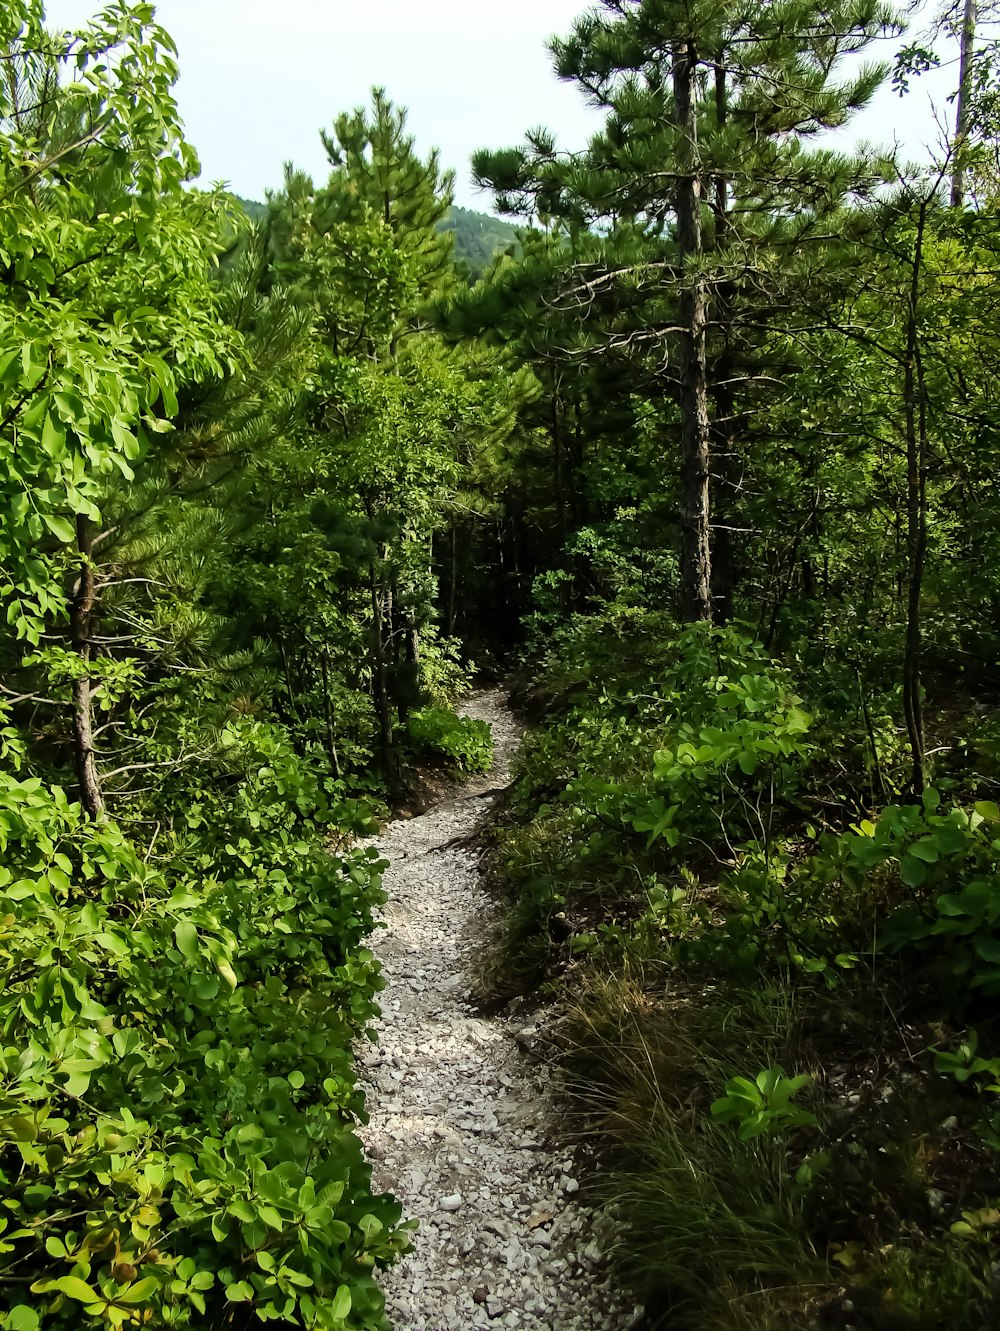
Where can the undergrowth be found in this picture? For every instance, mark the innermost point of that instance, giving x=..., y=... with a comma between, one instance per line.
x=439, y=733
x=780, y=973
x=177, y=1092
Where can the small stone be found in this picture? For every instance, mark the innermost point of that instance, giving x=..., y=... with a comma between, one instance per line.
x=481, y=1294
x=450, y=1203
x=571, y=1185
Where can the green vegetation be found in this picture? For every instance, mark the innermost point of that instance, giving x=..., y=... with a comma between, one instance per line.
x=477, y=238
x=754, y=843
x=438, y=732
x=713, y=452
x=226, y=453
x=690, y=859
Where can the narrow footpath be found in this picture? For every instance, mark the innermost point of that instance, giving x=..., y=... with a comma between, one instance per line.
x=462, y=1121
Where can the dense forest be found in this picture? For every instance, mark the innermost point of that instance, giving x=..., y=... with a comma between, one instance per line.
x=702, y=452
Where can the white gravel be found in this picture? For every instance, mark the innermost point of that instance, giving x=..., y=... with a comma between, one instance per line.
x=462, y=1126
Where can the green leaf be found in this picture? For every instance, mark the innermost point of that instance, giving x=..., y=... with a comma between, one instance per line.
x=270, y=1217
x=913, y=870
x=925, y=850
x=988, y=810
x=187, y=940
x=72, y=1287
x=22, y=1318
x=139, y=1292
x=61, y=528
x=53, y=436
x=341, y=1303
x=227, y=973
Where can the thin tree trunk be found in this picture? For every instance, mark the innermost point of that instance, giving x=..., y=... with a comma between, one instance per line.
x=556, y=433
x=968, y=47
x=82, y=631
x=380, y=682
x=331, y=738
x=696, y=560
x=917, y=448
x=452, y=581
x=726, y=461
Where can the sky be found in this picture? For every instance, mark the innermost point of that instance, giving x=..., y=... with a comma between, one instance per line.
x=259, y=78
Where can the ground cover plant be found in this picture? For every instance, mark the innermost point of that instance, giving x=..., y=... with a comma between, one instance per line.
x=767, y=1011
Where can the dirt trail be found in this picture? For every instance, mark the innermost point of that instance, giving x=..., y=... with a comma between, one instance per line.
x=461, y=1118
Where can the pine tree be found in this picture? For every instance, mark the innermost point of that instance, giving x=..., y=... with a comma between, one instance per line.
x=709, y=108
x=377, y=173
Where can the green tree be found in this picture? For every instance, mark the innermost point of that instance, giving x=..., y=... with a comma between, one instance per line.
x=731, y=97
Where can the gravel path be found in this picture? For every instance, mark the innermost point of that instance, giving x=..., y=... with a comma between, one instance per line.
x=461, y=1118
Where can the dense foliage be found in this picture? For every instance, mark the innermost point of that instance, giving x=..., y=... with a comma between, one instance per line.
x=755, y=843
x=226, y=454
x=711, y=448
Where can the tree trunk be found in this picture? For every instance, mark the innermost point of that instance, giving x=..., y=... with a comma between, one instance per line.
x=558, y=459
x=725, y=478
x=82, y=631
x=968, y=47
x=380, y=686
x=917, y=449
x=696, y=561
x=452, y=582
x=331, y=736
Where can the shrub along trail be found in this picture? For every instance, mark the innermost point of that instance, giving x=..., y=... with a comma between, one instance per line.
x=461, y=1120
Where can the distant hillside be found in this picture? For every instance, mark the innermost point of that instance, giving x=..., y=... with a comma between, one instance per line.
x=254, y=210
x=477, y=235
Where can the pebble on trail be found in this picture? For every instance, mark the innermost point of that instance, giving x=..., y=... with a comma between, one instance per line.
x=461, y=1119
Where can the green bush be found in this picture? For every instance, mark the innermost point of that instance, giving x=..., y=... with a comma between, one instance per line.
x=176, y=1084
x=441, y=733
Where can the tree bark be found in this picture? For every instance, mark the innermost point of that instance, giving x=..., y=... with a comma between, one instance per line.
x=331, y=735
x=82, y=632
x=380, y=685
x=696, y=560
x=452, y=582
x=725, y=480
x=917, y=456
x=558, y=459
x=968, y=47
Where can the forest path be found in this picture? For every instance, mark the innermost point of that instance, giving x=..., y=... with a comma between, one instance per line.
x=461, y=1126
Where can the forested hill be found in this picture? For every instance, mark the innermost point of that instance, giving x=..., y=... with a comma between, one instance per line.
x=709, y=469
x=478, y=236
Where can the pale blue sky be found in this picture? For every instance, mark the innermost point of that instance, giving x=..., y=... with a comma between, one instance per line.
x=259, y=78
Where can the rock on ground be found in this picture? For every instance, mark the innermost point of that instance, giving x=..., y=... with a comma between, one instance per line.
x=462, y=1119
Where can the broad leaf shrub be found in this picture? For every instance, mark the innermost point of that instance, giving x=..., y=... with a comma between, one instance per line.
x=177, y=1090
x=654, y=774
x=460, y=741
